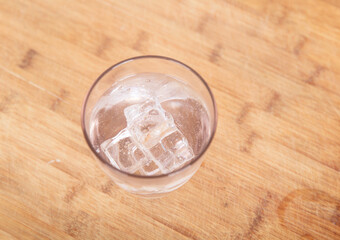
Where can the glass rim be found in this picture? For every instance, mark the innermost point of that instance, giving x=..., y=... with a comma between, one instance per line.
x=84, y=105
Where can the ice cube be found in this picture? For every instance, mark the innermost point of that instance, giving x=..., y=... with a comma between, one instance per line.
x=148, y=123
x=179, y=146
x=120, y=150
x=159, y=145
x=163, y=158
x=174, y=141
x=147, y=166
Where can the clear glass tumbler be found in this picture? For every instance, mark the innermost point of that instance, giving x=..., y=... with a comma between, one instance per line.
x=163, y=68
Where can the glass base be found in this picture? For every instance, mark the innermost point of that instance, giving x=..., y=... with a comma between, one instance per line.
x=153, y=192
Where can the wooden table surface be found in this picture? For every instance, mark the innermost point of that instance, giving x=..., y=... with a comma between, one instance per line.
x=273, y=170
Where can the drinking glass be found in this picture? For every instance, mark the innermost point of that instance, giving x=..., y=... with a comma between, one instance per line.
x=154, y=185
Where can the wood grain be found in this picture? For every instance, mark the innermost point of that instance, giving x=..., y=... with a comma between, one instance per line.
x=273, y=170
